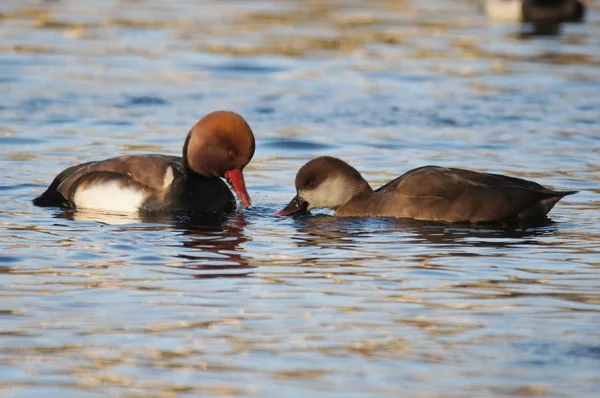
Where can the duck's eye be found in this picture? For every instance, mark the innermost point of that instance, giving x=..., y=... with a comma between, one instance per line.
x=232, y=154
x=311, y=184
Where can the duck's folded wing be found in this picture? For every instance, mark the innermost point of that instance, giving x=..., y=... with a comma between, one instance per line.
x=153, y=171
x=493, y=180
x=448, y=194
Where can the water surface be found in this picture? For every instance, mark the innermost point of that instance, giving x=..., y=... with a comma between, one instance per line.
x=252, y=305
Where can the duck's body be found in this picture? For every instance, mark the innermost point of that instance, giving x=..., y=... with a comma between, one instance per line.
x=427, y=193
x=140, y=182
x=536, y=11
x=220, y=145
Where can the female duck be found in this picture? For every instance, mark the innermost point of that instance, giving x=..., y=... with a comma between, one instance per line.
x=426, y=193
x=218, y=146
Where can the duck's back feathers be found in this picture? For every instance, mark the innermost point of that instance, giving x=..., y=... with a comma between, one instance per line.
x=455, y=195
x=151, y=172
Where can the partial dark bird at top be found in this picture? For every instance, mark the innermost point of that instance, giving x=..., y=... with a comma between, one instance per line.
x=535, y=11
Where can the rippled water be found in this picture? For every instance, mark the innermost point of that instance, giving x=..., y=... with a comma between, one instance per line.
x=253, y=305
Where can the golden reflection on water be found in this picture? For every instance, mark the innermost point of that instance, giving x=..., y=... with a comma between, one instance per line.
x=252, y=305
x=293, y=29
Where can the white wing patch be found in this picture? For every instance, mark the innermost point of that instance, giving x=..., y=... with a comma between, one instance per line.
x=109, y=196
x=168, y=177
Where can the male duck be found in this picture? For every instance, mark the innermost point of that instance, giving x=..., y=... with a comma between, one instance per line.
x=218, y=146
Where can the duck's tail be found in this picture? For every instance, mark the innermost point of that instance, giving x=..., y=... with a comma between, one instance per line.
x=543, y=206
x=51, y=197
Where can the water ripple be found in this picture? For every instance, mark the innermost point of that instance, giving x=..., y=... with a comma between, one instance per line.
x=256, y=305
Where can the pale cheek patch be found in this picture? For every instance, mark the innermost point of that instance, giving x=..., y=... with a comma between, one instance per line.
x=331, y=193
x=109, y=196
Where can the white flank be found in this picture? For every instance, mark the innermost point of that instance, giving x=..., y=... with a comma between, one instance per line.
x=504, y=10
x=168, y=177
x=109, y=196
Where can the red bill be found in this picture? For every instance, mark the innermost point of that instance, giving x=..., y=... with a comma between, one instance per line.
x=239, y=185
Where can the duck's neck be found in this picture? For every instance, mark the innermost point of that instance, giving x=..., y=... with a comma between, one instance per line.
x=360, y=203
x=191, y=174
x=184, y=155
x=361, y=191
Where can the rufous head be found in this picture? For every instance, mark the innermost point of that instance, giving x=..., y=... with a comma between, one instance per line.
x=221, y=144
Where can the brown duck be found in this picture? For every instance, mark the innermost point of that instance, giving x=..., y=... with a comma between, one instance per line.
x=218, y=146
x=425, y=193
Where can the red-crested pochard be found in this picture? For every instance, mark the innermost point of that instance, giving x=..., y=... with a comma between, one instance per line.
x=426, y=193
x=219, y=146
x=536, y=11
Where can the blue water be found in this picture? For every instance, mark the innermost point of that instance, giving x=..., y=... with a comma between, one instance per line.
x=96, y=304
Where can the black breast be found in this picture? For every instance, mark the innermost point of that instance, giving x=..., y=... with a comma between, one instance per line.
x=193, y=192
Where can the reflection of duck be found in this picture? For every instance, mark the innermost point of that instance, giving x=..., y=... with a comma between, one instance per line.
x=535, y=11
x=426, y=193
x=215, y=247
x=325, y=231
x=219, y=145
x=213, y=244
